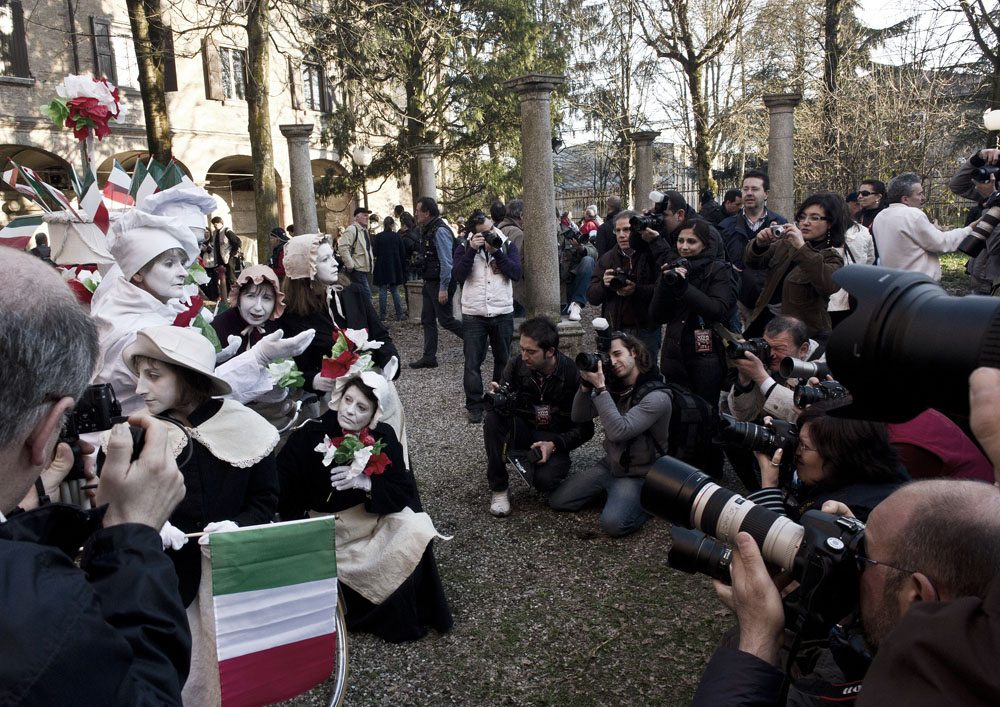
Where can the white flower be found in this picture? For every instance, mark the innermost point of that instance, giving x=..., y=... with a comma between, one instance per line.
x=200, y=276
x=361, y=458
x=359, y=337
x=364, y=363
x=206, y=314
x=327, y=449
x=76, y=86
x=92, y=277
x=278, y=369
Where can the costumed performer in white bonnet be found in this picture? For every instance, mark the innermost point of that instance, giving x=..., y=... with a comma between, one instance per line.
x=153, y=247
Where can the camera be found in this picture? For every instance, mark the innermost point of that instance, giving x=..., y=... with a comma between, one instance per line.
x=973, y=244
x=692, y=551
x=792, y=367
x=757, y=346
x=524, y=461
x=759, y=438
x=670, y=277
x=983, y=174
x=778, y=231
x=619, y=281
x=503, y=399
x=493, y=239
x=806, y=394
x=97, y=410
x=656, y=221
x=903, y=326
x=588, y=361
x=820, y=553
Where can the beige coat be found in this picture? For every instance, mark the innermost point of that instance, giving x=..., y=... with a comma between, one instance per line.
x=351, y=249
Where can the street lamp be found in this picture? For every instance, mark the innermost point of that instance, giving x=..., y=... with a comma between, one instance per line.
x=362, y=156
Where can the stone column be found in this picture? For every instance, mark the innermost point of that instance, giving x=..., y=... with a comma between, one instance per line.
x=425, y=168
x=540, y=259
x=781, y=152
x=643, y=140
x=301, y=177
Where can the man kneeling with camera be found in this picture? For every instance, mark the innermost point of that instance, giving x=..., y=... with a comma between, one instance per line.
x=634, y=407
x=527, y=416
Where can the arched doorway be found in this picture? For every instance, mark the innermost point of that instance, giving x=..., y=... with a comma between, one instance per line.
x=51, y=168
x=230, y=180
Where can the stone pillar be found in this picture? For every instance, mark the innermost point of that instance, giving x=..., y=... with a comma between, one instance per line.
x=643, y=140
x=781, y=152
x=427, y=186
x=541, y=264
x=301, y=177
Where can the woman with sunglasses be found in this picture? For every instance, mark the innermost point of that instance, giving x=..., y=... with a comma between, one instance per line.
x=800, y=261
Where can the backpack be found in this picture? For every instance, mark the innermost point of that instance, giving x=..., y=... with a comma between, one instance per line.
x=693, y=423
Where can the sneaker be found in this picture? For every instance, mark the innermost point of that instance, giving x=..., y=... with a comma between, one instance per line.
x=476, y=416
x=500, y=506
x=424, y=363
x=574, y=311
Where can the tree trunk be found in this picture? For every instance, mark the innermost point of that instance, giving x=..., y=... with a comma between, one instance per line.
x=149, y=37
x=259, y=125
x=831, y=70
x=702, y=139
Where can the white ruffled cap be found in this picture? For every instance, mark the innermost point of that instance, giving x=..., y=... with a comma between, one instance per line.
x=187, y=204
x=138, y=237
x=373, y=380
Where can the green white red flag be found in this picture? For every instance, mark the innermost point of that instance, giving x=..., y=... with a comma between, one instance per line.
x=19, y=231
x=274, y=591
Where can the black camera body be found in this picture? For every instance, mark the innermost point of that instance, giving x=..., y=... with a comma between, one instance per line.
x=493, y=239
x=97, y=410
x=758, y=346
x=503, y=399
x=619, y=281
x=973, y=244
x=781, y=434
x=983, y=174
x=670, y=277
x=806, y=394
x=656, y=221
x=588, y=361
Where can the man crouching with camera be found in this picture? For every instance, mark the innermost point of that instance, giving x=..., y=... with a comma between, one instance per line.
x=634, y=407
x=528, y=416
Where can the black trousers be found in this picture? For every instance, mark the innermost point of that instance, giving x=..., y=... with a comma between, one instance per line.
x=434, y=312
x=497, y=431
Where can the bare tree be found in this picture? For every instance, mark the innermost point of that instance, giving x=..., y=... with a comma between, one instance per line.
x=152, y=48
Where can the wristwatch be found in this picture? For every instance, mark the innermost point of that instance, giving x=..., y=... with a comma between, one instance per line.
x=599, y=389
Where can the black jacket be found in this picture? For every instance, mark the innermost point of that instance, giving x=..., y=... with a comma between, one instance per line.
x=624, y=312
x=358, y=313
x=557, y=391
x=109, y=632
x=231, y=323
x=390, y=256
x=605, y=239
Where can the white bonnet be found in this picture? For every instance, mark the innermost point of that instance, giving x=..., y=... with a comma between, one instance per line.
x=185, y=203
x=138, y=237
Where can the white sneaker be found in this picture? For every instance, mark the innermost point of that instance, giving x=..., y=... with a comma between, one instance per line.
x=500, y=507
x=574, y=311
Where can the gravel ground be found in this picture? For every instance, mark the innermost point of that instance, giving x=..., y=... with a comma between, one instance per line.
x=548, y=611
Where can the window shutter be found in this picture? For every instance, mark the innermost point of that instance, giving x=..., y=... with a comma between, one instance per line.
x=104, y=56
x=295, y=83
x=18, y=41
x=213, y=70
x=169, y=62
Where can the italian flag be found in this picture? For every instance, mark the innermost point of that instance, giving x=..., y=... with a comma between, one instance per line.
x=275, y=597
x=17, y=234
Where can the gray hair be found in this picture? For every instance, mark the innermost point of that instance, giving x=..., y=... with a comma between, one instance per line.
x=48, y=344
x=515, y=209
x=901, y=185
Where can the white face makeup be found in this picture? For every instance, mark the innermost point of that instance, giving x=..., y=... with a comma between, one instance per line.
x=326, y=266
x=355, y=411
x=164, y=279
x=256, y=303
x=157, y=386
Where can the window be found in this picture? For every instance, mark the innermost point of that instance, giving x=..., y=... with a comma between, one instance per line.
x=123, y=49
x=314, y=87
x=104, y=56
x=13, y=47
x=234, y=77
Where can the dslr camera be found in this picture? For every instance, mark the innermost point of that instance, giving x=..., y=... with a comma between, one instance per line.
x=656, y=221
x=588, y=361
x=760, y=438
x=619, y=281
x=493, y=239
x=97, y=410
x=983, y=174
x=806, y=394
x=503, y=399
x=758, y=346
x=670, y=277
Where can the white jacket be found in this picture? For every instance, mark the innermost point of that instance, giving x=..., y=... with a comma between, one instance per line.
x=484, y=292
x=907, y=240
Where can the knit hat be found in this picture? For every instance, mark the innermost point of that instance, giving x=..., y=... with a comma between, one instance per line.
x=300, y=256
x=181, y=346
x=138, y=237
x=258, y=274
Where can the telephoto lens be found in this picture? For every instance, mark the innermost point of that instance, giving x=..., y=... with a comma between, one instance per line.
x=791, y=367
x=759, y=438
x=694, y=552
x=973, y=244
x=686, y=497
x=806, y=395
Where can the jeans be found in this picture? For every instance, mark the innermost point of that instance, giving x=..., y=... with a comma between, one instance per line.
x=395, y=301
x=622, y=512
x=434, y=312
x=478, y=331
x=362, y=279
x=576, y=290
x=497, y=437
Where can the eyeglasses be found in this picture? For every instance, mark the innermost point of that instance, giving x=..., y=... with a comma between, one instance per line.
x=812, y=218
x=865, y=192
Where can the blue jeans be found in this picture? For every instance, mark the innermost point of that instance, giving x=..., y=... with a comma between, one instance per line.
x=395, y=301
x=478, y=332
x=576, y=290
x=362, y=279
x=622, y=512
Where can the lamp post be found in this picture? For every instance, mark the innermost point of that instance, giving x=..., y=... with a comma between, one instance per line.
x=362, y=156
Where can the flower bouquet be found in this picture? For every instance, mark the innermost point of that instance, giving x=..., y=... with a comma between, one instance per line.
x=351, y=354
x=86, y=105
x=361, y=451
x=285, y=373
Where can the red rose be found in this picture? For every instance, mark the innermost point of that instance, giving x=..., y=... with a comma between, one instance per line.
x=366, y=438
x=377, y=464
x=337, y=441
x=186, y=317
x=337, y=367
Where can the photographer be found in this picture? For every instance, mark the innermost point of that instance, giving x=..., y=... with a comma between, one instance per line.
x=531, y=409
x=976, y=180
x=111, y=631
x=577, y=258
x=622, y=284
x=760, y=389
x=485, y=265
x=634, y=408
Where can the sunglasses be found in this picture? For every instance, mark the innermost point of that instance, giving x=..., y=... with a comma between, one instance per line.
x=865, y=192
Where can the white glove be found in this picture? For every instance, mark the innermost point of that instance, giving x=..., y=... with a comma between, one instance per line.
x=390, y=368
x=341, y=480
x=220, y=526
x=172, y=537
x=233, y=343
x=272, y=347
x=323, y=385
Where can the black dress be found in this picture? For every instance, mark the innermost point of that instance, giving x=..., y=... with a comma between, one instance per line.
x=416, y=604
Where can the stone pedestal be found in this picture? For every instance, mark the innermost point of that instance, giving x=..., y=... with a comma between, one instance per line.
x=541, y=265
x=427, y=186
x=571, y=337
x=781, y=152
x=414, y=290
x=300, y=173
x=643, y=140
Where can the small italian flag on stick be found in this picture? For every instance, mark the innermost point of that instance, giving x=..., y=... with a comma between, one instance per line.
x=275, y=596
x=18, y=233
